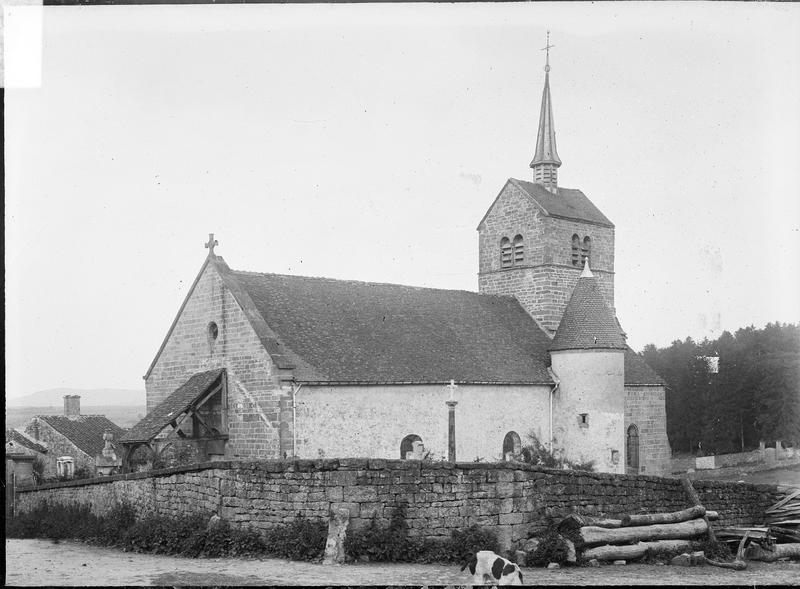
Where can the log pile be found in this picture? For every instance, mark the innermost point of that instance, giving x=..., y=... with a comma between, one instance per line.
x=634, y=535
x=780, y=536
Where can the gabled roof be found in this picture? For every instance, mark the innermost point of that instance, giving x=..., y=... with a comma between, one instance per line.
x=588, y=323
x=358, y=332
x=171, y=408
x=21, y=439
x=565, y=203
x=84, y=431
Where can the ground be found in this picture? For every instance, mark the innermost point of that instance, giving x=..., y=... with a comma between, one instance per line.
x=43, y=563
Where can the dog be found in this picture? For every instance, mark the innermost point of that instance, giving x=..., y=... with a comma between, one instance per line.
x=487, y=568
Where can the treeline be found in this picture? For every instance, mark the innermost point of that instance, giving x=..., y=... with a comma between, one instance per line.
x=754, y=396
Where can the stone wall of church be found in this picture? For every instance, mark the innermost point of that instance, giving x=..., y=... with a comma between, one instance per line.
x=513, y=500
x=372, y=421
x=254, y=392
x=645, y=408
x=58, y=445
x=544, y=282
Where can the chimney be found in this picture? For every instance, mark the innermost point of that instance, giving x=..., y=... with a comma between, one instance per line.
x=72, y=406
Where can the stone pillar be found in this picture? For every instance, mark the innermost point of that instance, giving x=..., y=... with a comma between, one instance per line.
x=337, y=531
x=451, y=430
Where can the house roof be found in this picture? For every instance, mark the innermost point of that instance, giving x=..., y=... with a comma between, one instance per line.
x=588, y=323
x=170, y=408
x=21, y=439
x=84, y=431
x=360, y=332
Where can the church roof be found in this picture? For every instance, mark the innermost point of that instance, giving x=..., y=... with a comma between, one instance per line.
x=566, y=203
x=358, y=332
x=172, y=407
x=84, y=431
x=638, y=371
x=588, y=323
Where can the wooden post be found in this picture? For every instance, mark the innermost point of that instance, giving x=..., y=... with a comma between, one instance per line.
x=695, y=500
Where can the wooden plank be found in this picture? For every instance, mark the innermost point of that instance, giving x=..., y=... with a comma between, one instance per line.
x=784, y=501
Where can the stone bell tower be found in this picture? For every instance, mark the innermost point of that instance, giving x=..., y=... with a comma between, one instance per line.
x=536, y=236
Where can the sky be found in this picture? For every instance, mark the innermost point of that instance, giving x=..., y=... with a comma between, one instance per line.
x=366, y=142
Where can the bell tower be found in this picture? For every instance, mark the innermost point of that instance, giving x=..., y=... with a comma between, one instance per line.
x=536, y=236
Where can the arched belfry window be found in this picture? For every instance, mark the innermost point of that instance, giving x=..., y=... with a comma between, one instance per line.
x=576, y=250
x=633, y=448
x=586, y=250
x=506, y=253
x=519, y=250
x=512, y=445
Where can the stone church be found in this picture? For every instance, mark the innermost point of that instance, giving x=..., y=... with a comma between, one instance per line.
x=259, y=365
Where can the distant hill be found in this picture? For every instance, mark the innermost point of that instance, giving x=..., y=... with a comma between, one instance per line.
x=125, y=416
x=97, y=397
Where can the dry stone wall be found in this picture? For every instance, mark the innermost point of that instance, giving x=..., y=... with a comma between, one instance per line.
x=515, y=500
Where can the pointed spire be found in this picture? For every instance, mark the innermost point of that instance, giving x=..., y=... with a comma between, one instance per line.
x=545, y=160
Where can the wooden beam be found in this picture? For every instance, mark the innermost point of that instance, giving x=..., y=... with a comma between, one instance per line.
x=674, y=517
x=686, y=482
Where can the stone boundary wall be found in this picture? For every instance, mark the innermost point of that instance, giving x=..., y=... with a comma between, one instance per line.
x=515, y=500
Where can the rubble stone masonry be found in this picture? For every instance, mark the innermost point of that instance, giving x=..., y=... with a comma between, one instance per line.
x=514, y=500
x=254, y=392
x=544, y=281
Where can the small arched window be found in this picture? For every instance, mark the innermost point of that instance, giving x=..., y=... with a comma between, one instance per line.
x=519, y=250
x=506, y=253
x=411, y=447
x=576, y=250
x=586, y=250
x=633, y=448
x=512, y=445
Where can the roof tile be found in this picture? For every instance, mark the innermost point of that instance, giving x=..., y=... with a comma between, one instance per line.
x=85, y=431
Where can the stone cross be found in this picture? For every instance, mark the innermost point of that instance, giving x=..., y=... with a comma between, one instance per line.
x=211, y=243
x=452, y=387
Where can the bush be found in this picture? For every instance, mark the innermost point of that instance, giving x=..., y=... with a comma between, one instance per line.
x=551, y=548
x=301, y=539
x=53, y=521
x=392, y=543
x=536, y=453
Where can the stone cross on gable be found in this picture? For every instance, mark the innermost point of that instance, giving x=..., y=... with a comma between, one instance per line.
x=211, y=243
x=452, y=387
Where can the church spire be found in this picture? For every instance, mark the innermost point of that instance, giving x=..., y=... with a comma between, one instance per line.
x=546, y=161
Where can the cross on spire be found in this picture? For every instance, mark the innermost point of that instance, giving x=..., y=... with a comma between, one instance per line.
x=211, y=243
x=547, y=49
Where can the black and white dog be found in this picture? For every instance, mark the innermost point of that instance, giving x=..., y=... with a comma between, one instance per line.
x=487, y=568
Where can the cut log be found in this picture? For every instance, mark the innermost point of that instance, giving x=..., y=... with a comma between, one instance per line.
x=574, y=521
x=674, y=517
x=756, y=552
x=593, y=535
x=712, y=515
x=694, y=498
x=634, y=551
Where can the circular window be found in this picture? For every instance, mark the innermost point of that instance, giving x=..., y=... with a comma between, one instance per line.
x=213, y=331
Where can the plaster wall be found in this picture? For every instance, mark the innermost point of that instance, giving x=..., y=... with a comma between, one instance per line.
x=371, y=421
x=591, y=383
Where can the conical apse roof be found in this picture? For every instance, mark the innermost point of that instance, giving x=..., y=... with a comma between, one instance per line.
x=588, y=322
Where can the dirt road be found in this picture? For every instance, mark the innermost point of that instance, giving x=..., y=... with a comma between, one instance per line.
x=42, y=562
